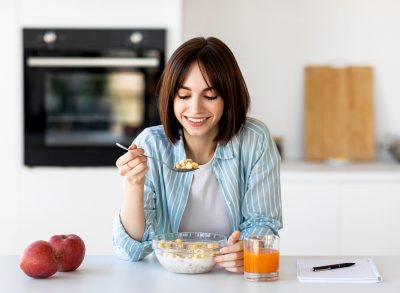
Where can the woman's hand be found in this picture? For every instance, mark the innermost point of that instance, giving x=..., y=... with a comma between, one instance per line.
x=231, y=257
x=133, y=165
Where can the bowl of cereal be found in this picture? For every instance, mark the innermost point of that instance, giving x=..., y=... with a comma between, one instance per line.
x=188, y=252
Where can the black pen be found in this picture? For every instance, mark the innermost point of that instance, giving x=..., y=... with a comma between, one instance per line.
x=334, y=266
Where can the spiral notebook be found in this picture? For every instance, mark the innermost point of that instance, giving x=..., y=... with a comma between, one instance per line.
x=364, y=271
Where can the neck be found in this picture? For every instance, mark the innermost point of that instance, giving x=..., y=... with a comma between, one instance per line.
x=200, y=150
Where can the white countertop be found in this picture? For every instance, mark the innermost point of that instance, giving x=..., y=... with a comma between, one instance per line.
x=386, y=171
x=373, y=166
x=109, y=274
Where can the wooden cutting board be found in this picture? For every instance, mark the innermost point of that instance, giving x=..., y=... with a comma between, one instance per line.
x=339, y=120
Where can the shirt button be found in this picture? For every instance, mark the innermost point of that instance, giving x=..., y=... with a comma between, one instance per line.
x=228, y=202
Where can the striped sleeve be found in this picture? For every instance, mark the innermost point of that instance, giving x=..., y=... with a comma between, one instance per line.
x=124, y=245
x=261, y=205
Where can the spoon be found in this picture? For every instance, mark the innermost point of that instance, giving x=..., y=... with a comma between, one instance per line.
x=179, y=170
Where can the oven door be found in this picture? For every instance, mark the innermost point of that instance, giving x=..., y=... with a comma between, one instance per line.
x=77, y=108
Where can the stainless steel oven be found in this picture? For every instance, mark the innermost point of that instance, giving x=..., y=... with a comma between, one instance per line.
x=85, y=89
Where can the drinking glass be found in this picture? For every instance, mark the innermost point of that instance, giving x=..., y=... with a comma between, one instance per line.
x=261, y=258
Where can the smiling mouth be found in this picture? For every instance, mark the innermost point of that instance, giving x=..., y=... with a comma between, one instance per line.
x=196, y=120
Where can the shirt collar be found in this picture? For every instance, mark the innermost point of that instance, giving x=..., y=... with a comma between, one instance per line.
x=179, y=150
x=225, y=151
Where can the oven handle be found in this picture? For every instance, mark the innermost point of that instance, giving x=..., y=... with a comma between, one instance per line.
x=91, y=62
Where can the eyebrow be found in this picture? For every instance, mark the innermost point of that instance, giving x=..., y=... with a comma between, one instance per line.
x=210, y=88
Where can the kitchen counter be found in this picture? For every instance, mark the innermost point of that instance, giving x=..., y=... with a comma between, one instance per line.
x=347, y=171
x=109, y=274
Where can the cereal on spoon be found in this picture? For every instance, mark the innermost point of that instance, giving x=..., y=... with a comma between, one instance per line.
x=187, y=164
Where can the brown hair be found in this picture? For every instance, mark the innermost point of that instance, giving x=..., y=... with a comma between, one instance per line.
x=218, y=64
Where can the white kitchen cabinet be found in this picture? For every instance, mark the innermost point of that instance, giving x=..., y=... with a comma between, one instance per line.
x=346, y=210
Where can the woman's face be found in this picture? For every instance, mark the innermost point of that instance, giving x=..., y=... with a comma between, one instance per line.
x=197, y=106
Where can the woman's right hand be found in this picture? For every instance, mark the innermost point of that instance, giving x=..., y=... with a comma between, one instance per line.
x=133, y=165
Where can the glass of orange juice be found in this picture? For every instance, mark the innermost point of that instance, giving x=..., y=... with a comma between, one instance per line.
x=261, y=258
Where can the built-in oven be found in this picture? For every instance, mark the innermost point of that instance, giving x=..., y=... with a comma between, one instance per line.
x=85, y=90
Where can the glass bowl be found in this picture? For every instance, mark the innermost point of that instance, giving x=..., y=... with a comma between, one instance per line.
x=188, y=252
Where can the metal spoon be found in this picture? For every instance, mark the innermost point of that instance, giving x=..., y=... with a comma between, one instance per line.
x=180, y=170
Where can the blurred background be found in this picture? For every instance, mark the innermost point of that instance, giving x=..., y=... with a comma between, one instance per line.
x=340, y=182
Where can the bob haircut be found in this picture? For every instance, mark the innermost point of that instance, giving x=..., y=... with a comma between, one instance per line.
x=219, y=68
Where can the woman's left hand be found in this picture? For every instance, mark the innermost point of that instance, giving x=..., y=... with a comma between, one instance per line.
x=231, y=257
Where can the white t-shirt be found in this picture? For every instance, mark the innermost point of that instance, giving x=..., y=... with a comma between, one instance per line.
x=205, y=210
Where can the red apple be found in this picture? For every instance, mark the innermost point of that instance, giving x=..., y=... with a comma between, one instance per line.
x=39, y=260
x=70, y=251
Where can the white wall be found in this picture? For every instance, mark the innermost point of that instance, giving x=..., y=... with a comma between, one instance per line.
x=36, y=203
x=274, y=40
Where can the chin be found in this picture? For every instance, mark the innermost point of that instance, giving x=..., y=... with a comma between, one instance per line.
x=196, y=133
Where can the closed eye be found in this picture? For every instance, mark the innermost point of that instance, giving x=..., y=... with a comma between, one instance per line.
x=211, y=97
x=183, y=97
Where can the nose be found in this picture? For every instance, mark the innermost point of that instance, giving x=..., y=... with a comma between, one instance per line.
x=196, y=104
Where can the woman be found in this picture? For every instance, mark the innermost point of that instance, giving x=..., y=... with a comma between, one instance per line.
x=203, y=102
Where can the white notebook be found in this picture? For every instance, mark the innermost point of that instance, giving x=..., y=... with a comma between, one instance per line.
x=364, y=271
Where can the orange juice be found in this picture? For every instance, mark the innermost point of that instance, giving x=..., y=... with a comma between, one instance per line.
x=262, y=260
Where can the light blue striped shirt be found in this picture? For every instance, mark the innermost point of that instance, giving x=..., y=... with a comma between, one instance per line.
x=247, y=169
